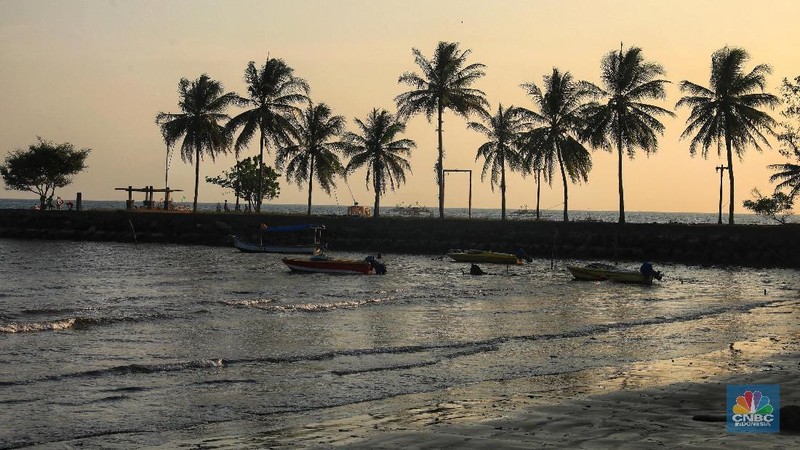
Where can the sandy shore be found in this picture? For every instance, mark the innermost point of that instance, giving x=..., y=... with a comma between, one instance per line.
x=646, y=405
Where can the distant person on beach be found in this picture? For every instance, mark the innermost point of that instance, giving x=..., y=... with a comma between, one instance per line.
x=70, y=205
x=59, y=202
x=225, y=206
x=50, y=202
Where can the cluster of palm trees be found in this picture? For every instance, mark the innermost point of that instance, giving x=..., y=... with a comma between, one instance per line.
x=569, y=118
x=279, y=110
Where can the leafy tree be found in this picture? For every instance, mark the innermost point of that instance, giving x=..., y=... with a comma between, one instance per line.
x=314, y=155
x=444, y=84
x=778, y=207
x=728, y=110
x=273, y=93
x=243, y=179
x=203, y=103
x=554, y=137
x=501, y=150
x=625, y=119
x=42, y=168
x=377, y=148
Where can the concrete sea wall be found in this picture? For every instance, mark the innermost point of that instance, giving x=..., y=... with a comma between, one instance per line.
x=744, y=245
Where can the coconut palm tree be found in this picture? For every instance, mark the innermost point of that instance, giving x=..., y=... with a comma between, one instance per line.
x=376, y=146
x=313, y=155
x=789, y=176
x=203, y=103
x=501, y=150
x=443, y=85
x=553, y=139
x=624, y=120
x=273, y=92
x=728, y=110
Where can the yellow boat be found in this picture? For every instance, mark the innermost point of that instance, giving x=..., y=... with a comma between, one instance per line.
x=483, y=256
x=601, y=272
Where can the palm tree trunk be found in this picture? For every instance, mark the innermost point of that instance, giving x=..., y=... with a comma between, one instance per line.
x=564, y=180
x=310, y=183
x=538, y=190
x=376, y=175
x=259, y=194
x=440, y=163
x=502, y=188
x=730, y=176
x=621, y=190
x=196, y=175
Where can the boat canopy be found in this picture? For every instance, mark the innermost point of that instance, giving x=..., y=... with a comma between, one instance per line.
x=269, y=229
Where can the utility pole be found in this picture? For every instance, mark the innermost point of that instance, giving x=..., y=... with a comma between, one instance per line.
x=720, y=168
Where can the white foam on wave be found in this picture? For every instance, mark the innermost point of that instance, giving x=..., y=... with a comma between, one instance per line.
x=55, y=325
x=322, y=307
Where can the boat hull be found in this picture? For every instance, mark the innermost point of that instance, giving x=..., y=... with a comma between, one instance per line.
x=602, y=274
x=479, y=256
x=340, y=266
x=250, y=247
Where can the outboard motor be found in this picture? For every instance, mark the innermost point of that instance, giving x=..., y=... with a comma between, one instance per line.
x=520, y=253
x=647, y=270
x=376, y=264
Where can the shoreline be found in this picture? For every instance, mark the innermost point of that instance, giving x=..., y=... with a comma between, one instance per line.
x=740, y=245
x=644, y=404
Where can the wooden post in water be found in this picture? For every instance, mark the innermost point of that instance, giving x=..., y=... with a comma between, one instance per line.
x=79, y=202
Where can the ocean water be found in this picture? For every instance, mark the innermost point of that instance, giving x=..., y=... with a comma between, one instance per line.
x=128, y=346
x=478, y=213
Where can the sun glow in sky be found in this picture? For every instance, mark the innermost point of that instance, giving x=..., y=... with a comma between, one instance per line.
x=95, y=73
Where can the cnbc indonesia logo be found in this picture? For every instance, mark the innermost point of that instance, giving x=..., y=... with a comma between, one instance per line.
x=753, y=408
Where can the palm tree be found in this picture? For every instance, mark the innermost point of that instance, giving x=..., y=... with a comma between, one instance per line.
x=789, y=176
x=377, y=148
x=444, y=84
x=313, y=156
x=625, y=119
x=501, y=150
x=273, y=92
x=203, y=102
x=728, y=110
x=553, y=138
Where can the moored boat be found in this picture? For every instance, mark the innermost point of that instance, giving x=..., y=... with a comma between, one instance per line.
x=483, y=256
x=272, y=244
x=602, y=272
x=324, y=264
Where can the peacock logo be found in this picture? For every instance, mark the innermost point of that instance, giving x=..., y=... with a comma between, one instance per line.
x=753, y=408
x=752, y=403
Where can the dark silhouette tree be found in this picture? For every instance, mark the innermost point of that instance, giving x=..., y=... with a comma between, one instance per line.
x=377, y=148
x=727, y=112
x=554, y=136
x=243, y=180
x=625, y=121
x=314, y=154
x=203, y=103
x=445, y=84
x=42, y=168
x=501, y=150
x=273, y=93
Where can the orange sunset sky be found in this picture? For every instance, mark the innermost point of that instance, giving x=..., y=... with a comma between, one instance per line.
x=95, y=73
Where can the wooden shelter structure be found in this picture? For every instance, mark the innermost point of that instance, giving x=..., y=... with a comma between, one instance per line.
x=149, y=196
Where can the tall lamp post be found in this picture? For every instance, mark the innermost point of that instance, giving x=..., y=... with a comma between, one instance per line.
x=721, y=169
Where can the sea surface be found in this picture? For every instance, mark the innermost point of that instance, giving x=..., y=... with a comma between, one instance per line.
x=524, y=213
x=129, y=346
